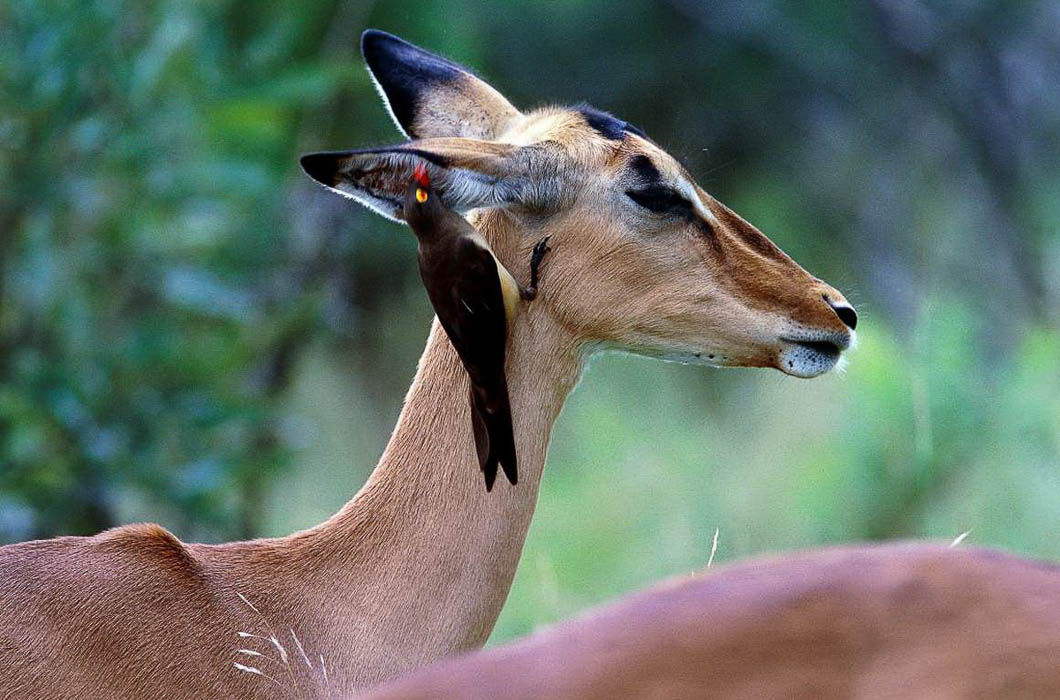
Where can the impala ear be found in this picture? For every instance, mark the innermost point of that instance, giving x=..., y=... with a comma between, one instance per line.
x=465, y=173
x=430, y=96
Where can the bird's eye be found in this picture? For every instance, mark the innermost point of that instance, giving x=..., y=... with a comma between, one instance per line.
x=660, y=199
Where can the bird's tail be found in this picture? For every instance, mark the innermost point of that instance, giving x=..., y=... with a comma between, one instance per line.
x=491, y=422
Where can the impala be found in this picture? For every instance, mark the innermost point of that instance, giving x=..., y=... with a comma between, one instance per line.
x=418, y=564
x=884, y=622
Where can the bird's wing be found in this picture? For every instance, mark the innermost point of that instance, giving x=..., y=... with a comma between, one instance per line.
x=479, y=328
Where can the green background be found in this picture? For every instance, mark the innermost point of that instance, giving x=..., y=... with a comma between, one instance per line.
x=193, y=333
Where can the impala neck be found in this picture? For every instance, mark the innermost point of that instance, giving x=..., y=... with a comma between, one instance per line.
x=423, y=555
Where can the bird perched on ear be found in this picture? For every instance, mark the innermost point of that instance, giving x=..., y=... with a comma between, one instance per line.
x=475, y=298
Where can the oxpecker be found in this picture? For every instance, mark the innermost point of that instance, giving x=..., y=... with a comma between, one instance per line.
x=475, y=299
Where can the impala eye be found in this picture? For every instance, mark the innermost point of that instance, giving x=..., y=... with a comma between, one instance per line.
x=661, y=200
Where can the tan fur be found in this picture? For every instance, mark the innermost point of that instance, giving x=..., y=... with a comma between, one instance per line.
x=890, y=622
x=419, y=563
x=469, y=107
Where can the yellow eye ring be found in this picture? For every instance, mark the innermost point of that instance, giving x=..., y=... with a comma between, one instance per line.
x=421, y=195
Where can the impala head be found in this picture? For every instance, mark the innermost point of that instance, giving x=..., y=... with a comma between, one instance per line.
x=643, y=258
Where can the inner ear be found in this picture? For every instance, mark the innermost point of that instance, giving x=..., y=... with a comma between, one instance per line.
x=465, y=174
x=430, y=96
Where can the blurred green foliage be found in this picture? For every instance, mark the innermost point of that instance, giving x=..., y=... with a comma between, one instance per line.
x=192, y=333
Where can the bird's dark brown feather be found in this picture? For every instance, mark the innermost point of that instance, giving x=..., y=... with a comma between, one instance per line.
x=465, y=289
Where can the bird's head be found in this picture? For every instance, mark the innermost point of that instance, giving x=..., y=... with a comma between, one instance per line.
x=421, y=205
x=422, y=182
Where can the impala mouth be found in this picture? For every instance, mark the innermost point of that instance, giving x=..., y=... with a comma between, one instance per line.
x=824, y=347
x=811, y=358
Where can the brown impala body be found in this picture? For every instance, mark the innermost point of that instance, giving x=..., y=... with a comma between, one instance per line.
x=891, y=622
x=418, y=564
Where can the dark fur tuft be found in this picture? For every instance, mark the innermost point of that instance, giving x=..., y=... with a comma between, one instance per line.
x=607, y=125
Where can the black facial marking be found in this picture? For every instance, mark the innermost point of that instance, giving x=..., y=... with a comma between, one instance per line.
x=405, y=72
x=606, y=125
x=644, y=169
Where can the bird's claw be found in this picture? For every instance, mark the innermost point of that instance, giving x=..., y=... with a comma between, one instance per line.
x=539, y=252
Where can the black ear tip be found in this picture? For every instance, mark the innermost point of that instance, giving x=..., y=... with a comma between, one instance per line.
x=376, y=41
x=320, y=167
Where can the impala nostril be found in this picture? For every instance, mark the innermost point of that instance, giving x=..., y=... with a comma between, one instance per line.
x=844, y=311
x=847, y=315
